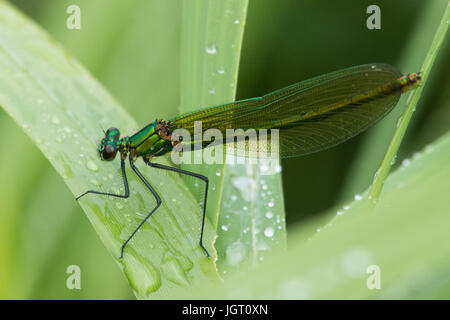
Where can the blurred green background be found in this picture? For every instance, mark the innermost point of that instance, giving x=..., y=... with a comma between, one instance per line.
x=132, y=47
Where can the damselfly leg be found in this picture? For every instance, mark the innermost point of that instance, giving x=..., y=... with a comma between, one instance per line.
x=125, y=184
x=195, y=175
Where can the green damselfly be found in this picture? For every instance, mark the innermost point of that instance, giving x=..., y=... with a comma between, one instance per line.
x=310, y=116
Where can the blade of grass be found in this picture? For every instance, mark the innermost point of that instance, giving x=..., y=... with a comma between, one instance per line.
x=60, y=107
x=243, y=202
x=12, y=190
x=383, y=171
x=406, y=238
x=117, y=52
x=377, y=140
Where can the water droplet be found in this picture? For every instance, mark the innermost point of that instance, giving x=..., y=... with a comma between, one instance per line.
x=271, y=204
x=269, y=215
x=269, y=231
x=95, y=182
x=55, y=119
x=339, y=213
x=218, y=173
x=91, y=165
x=212, y=91
x=67, y=129
x=236, y=21
x=233, y=197
x=224, y=228
x=358, y=197
x=346, y=207
x=221, y=71
x=211, y=49
x=393, y=160
x=406, y=162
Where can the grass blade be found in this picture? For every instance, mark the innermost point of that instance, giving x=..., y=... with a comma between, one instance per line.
x=60, y=106
x=405, y=238
x=383, y=171
x=241, y=197
x=368, y=159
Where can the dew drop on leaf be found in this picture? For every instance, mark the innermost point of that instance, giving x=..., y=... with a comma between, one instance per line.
x=269, y=231
x=91, y=165
x=211, y=49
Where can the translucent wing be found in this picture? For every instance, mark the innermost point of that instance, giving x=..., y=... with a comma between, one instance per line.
x=312, y=115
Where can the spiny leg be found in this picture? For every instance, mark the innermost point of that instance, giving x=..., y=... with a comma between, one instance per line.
x=195, y=175
x=155, y=194
x=125, y=184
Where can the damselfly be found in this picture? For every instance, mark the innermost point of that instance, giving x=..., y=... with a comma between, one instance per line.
x=310, y=116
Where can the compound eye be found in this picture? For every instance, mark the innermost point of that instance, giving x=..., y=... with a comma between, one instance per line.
x=109, y=153
x=113, y=132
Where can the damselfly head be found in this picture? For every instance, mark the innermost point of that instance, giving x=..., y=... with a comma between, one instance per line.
x=108, y=145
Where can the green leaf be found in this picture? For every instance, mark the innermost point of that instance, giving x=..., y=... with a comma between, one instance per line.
x=245, y=202
x=403, y=123
x=369, y=158
x=406, y=236
x=61, y=108
x=116, y=52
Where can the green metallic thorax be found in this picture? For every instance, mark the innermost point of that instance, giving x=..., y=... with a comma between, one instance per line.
x=149, y=141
